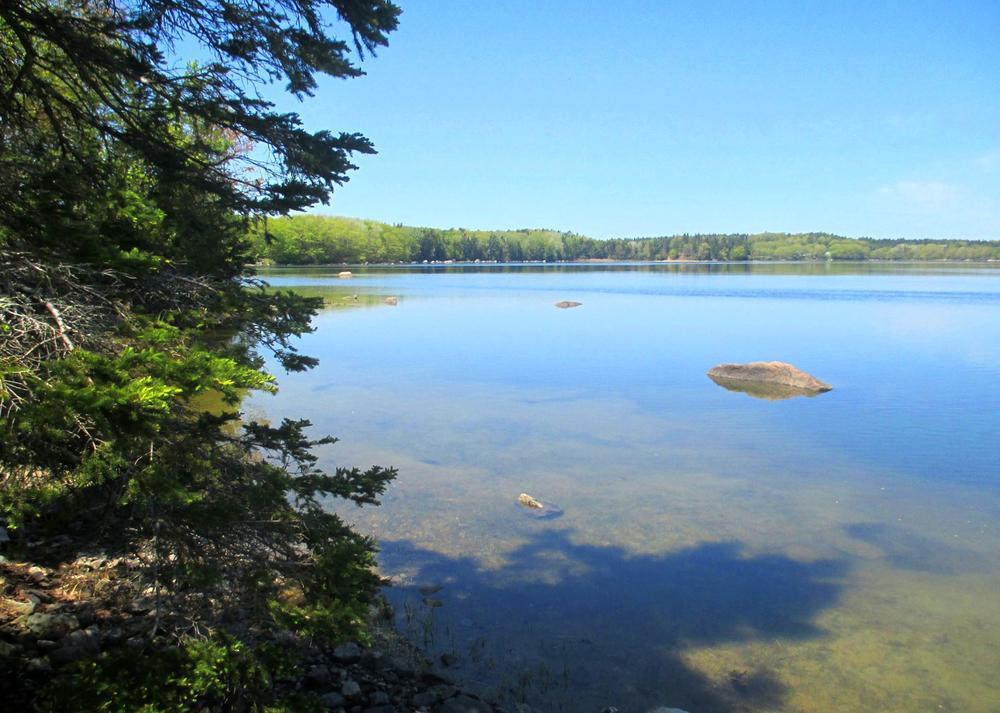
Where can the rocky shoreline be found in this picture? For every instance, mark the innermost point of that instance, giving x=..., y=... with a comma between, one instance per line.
x=54, y=616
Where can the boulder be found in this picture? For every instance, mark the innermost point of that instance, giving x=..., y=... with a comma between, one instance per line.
x=52, y=626
x=775, y=373
x=344, y=274
x=393, y=301
x=566, y=304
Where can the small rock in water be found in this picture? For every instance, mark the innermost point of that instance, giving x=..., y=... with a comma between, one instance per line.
x=449, y=660
x=427, y=589
x=538, y=508
x=567, y=304
x=392, y=301
x=344, y=274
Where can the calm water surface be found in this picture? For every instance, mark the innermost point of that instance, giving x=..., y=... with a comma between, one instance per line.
x=717, y=552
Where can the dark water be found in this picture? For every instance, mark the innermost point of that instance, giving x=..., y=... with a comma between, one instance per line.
x=717, y=551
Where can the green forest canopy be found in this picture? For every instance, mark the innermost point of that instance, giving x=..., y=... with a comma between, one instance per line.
x=319, y=239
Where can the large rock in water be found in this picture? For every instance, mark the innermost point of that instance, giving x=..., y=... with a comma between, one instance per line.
x=790, y=379
x=568, y=304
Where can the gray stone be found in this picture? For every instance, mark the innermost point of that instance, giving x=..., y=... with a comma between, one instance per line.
x=378, y=698
x=373, y=660
x=332, y=700
x=8, y=650
x=464, y=704
x=140, y=605
x=664, y=709
x=52, y=626
x=403, y=668
x=319, y=675
x=381, y=709
x=444, y=691
x=79, y=644
x=424, y=698
x=350, y=689
x=39, y=665
x=347, y=653
x=115, y=635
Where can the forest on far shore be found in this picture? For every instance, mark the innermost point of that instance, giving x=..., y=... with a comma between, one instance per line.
x=319, y=240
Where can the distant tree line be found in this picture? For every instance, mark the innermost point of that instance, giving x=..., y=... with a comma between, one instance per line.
x=317, y=240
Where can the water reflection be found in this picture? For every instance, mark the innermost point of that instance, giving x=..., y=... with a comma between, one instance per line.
x=761, y=389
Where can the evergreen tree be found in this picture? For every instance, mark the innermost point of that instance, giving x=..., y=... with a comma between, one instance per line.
x=127, y=186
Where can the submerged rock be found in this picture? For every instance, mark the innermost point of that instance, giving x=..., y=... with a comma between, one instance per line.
x=538, y=508
x=566, y=304
x=767, y=379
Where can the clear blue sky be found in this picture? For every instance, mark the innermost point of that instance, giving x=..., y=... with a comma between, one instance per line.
x=653, y=117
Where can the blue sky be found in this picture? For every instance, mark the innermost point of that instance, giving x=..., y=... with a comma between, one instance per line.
x=652, y=117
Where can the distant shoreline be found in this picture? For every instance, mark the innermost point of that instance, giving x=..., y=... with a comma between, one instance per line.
x=613, y=261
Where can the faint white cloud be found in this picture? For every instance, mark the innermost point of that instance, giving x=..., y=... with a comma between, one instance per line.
x=927, y=197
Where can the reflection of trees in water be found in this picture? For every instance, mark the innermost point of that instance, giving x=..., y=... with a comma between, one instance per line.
x=600, y=625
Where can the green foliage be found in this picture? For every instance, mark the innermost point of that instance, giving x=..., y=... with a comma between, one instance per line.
x=127, y=187
x=318, y=240
x=220, y=673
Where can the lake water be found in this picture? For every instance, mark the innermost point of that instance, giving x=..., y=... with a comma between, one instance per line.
x=716, y=552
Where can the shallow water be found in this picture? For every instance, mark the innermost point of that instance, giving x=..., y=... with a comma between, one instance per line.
x=716, y=551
